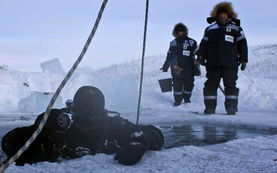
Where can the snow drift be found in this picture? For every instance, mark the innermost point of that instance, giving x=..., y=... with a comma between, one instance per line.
x=119, y=84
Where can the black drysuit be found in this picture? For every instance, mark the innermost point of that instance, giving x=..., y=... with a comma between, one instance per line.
x=102, y=134
x=223, y=46
x=180, y=57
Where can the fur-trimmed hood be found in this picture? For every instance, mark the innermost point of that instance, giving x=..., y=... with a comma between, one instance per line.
x=226, y=7
x=179, y=27
x=223, y=7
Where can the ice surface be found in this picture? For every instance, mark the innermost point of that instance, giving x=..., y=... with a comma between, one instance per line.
x=244, y=155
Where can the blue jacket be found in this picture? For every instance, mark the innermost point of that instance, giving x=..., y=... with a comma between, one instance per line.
x=224, y=45
x=181, y=52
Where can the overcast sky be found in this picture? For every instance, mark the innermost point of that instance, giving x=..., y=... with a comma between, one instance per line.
x=34, y=31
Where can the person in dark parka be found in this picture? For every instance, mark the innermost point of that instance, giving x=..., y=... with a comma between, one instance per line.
x=82, y=128
x=221, y=50
x=180, y=57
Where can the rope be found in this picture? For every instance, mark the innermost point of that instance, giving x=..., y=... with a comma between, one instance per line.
x=221, y=89
x=46, y=115
x=142, y=59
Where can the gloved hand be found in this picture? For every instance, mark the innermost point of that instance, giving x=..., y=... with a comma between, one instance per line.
x=81, y=151
x=243, y=66
x=130, y=154
x=72, y=153
x=201, y=60
x=164, y=69
x=110, y=147
x=196, y=70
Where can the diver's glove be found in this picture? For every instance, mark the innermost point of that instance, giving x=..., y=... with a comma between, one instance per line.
x=81, y=151
x=130, y=154
x=70, y=153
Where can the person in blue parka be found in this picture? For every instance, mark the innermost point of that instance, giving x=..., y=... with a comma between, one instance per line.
x=222, y=49
x=181, y=59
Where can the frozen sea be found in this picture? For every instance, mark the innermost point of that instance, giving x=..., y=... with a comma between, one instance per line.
x=119, y=83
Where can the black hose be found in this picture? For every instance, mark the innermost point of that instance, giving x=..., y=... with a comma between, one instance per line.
x=142, y=59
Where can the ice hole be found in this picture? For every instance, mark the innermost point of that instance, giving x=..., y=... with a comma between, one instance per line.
x=201, y=135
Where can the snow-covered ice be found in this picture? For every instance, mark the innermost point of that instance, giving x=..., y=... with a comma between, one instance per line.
x=119, y=83
x=244, y=155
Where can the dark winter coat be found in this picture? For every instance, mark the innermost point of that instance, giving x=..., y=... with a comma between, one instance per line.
x=106, y=135
x=223, y=44
x=181, y=52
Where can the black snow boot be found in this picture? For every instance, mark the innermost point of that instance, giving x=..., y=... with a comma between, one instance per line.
x=187, y=101
x=210, y=101
x=231, y=112
x=187, y=98
x=231, y=101
x=177, y=103
x=178, y=99
x=209, y=111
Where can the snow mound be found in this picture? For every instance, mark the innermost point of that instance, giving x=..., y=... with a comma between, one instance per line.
x=263, y=62
x=119, y=84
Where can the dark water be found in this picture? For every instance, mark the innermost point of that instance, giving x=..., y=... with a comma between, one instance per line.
x=200, y=135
